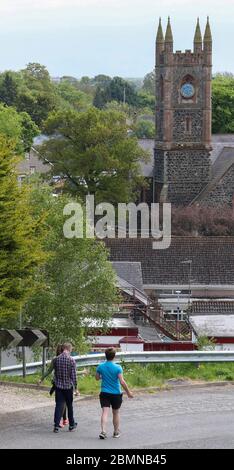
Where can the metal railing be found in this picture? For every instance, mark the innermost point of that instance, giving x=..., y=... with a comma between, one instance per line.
x=134, y=357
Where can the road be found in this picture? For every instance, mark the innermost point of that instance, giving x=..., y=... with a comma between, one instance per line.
x=191, y=418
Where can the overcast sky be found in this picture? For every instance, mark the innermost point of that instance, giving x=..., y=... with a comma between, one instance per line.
x=115, y=37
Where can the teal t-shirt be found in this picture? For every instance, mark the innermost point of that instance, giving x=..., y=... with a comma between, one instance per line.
x=109, y=372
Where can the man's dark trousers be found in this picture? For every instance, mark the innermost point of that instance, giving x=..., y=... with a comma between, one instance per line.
x=63, y=396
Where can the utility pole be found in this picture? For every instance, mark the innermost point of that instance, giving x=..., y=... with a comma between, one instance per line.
x=124, y=96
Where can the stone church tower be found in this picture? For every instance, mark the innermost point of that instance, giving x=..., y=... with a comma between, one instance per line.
x=183, y=117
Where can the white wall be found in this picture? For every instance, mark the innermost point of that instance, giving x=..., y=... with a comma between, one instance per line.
x=125, y=347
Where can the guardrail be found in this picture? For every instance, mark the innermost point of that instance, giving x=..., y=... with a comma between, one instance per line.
x=134, y=357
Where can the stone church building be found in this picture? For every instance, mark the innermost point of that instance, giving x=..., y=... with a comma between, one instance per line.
x=187, y=165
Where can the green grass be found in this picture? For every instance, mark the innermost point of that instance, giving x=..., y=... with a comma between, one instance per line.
x=143, y=376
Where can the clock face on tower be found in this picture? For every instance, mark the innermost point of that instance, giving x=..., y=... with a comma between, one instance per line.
x=187, y=90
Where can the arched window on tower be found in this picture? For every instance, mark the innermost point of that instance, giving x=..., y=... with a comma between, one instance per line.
x=161, y=88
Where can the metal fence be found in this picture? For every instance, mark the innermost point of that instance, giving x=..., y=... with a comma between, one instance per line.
x=134, y=357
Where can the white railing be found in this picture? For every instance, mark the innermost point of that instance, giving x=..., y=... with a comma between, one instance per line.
x=134, y=357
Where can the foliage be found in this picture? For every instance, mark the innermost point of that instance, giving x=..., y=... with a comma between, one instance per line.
x=223, y=104
x=77, y=282
x=116, y=89
x=147, y=375
x=144, y=129
x=146, y=100
x=203, y=220
x=149, y=83
x=71, y=97
x=8, y=88
x=20, y=239
x=18, y=127
x=94, y=152
x=205, y=344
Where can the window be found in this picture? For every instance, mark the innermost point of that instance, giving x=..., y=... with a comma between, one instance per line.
x=188, y=125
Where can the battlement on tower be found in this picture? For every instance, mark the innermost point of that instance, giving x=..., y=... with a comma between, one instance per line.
x=188, y=57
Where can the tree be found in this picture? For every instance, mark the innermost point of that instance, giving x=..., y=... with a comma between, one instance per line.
x=149, y=83
x=77, y=282
x=144, y=129
x=8, y=89
x=37, y=96
x=146, y=100
x=37, y=77
x=116, y=89
x=223, y=104
x=102, y=97
x=121, y=90
x=94, y=152
x=203, y=220
x=19, y=127
x=71, y=97
x=29, y=130
x=20, y=239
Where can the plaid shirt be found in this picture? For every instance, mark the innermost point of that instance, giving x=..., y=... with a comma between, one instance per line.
x=65, y=372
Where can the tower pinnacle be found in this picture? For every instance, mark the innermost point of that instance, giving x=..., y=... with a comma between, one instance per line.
x=169, y=37
x=160, y=37
x=207, y=35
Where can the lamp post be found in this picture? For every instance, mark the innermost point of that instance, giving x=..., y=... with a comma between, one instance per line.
x=178, y=292
x=189, y=261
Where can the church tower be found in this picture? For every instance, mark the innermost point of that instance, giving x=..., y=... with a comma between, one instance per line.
x=183, y=117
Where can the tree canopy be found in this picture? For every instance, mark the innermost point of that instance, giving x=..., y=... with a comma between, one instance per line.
x=77, y=282
x=223, y=104
x=20, y=239
x=95, y=154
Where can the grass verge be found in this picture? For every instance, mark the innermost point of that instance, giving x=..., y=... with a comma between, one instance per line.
x=146, y=375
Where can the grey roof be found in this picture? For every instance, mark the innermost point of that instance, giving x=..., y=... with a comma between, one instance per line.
x=212, y=307
x=213, y=325
x=212, y=259
x=220, y=167
x=219, y=141
x=130, y=272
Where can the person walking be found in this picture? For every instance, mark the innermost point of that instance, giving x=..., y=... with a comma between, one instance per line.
x=64, y=421
x=65, y=384
x=111, y=376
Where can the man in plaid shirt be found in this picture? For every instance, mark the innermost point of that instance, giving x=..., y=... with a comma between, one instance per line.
x=65, y=383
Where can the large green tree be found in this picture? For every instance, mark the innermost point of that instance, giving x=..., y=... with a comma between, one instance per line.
x=77, y=282
x=37, y=95
x=94, y=152
x=223, y=104
x=8, y=88
x=20, y=239
x=18, y=127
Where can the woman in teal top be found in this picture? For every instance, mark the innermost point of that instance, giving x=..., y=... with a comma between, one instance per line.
x=111, y=376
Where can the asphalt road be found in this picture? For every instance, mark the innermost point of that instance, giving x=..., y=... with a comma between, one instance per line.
x=192, y=418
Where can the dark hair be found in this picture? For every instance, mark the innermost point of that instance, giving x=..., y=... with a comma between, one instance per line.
x=59, y=349
x=110, y=353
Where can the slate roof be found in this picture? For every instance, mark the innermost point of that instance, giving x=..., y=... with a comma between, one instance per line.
x=212, y=259
x=130, y=272
x=213, y=325
x=212, y=307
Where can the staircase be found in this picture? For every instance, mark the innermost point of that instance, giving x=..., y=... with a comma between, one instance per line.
x=138, y=303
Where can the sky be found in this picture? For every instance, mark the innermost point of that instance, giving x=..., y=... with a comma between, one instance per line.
x=114, y=37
